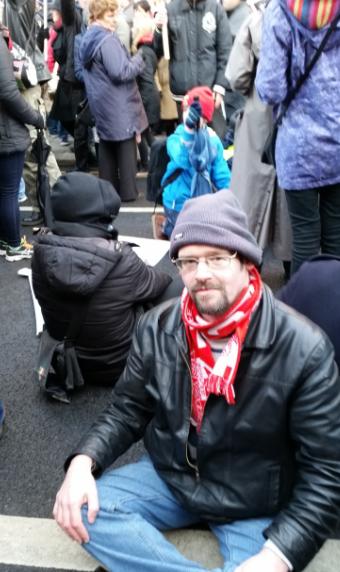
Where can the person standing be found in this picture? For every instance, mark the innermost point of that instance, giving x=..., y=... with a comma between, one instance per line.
x=115, y=102
x=200, y=42
x=308, y=139
x=15, y=112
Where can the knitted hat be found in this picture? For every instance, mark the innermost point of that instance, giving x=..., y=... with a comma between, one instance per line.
x=83, y=205
x=206, y=99
x=215, y=219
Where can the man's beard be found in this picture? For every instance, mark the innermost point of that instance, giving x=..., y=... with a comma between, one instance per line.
x=216, y=307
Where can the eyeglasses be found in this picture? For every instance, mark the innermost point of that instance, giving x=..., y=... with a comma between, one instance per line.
x=214, y=262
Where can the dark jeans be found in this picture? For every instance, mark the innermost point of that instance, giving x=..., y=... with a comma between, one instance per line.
x=315, y=219
x=117, y=161
x=11, y=168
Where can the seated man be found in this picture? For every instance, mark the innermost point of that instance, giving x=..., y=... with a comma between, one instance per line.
x=89, y=285
x=238, y=400
x=314, y=291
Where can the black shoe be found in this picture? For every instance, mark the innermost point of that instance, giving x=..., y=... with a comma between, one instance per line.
x=34, y=220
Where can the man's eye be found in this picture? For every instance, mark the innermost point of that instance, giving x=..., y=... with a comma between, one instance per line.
x=189, y=262
x=216, y=259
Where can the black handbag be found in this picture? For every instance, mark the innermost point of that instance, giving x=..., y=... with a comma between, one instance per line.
x=268, y=153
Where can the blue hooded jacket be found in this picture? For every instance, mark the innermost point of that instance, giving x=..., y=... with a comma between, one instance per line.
x=109, y=75
x=178, y=147
x=308, y=142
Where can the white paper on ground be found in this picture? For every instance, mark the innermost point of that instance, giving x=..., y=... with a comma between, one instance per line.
x=149, y=250
x=39, y=320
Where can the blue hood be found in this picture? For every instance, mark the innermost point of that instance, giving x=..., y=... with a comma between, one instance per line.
x=93, y=39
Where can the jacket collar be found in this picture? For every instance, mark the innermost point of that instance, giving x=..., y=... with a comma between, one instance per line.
x=262, y=328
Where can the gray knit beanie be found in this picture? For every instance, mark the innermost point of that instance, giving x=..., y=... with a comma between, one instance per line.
x=216, y=219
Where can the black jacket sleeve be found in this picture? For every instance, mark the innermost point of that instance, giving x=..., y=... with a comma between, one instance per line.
x=310, y=516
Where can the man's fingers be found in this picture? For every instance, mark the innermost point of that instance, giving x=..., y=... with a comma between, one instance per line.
x=92, y=505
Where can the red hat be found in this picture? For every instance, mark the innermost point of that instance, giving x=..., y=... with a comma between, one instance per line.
x=206, y=99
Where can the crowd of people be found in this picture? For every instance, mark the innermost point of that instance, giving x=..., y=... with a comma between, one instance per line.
x=236, y=395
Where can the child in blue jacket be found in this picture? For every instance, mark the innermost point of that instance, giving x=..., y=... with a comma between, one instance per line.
x=198, y=109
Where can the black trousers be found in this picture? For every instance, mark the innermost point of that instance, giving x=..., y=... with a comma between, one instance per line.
x=117, y=161
x=315, y=219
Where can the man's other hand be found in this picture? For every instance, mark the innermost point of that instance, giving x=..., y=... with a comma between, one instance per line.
x=264, y=561
x=78, y=488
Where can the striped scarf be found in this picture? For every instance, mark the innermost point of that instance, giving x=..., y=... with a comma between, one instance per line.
x=314, y=14
x=208, y=376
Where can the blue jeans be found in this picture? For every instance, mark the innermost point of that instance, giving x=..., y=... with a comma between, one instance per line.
x=135, y=505
x=11, y=167
x=315, y=220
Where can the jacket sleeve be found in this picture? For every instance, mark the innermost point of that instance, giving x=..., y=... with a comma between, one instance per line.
x=242, y=62
x=223, y=46
x=272, y=71
x=10, y=97
x=78, y=67
x=124, y=420
x=119, y=65
x=310, y=517
x=146, y=282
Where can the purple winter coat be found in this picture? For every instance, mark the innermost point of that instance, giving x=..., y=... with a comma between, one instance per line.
x=111, y=88
x=308, y=142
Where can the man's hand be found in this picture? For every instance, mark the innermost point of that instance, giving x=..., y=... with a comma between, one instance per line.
x=218, y=99
x=264, y=561
x=78, y=488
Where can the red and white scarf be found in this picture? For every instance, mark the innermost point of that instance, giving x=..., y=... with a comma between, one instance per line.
x=218, y=377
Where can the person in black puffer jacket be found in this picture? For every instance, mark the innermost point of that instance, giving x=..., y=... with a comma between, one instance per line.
x=82, y=264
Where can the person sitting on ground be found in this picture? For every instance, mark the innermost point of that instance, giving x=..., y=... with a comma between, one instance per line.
x=198, y=106
x=238, y=399
x=82, y=271
x=313, y=291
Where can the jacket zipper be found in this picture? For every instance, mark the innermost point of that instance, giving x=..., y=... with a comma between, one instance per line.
x=191, y=465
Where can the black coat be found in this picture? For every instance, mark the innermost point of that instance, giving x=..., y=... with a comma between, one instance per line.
x=200, y=42
x=274, y=453
x=147, y=85
x=117, y=282
x=314, y=291
x=15, y=111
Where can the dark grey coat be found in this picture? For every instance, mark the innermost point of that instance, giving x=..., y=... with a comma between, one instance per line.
x=200, y=42
x=110, y=81
x=14, y=109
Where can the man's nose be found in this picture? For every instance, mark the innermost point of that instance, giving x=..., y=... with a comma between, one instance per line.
x=203, y=271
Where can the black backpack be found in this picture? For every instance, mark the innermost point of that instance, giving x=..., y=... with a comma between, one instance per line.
x=158, y=163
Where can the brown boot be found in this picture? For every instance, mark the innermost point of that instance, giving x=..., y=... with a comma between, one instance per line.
x=158, y=220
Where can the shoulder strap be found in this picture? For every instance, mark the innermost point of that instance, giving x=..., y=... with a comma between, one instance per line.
x=170, y=179
x=308, y=69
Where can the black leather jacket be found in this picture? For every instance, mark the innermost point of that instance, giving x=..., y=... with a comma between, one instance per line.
x=276, y=452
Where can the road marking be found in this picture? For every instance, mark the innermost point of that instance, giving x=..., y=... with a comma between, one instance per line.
x=40, y=542
x=121, y=210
